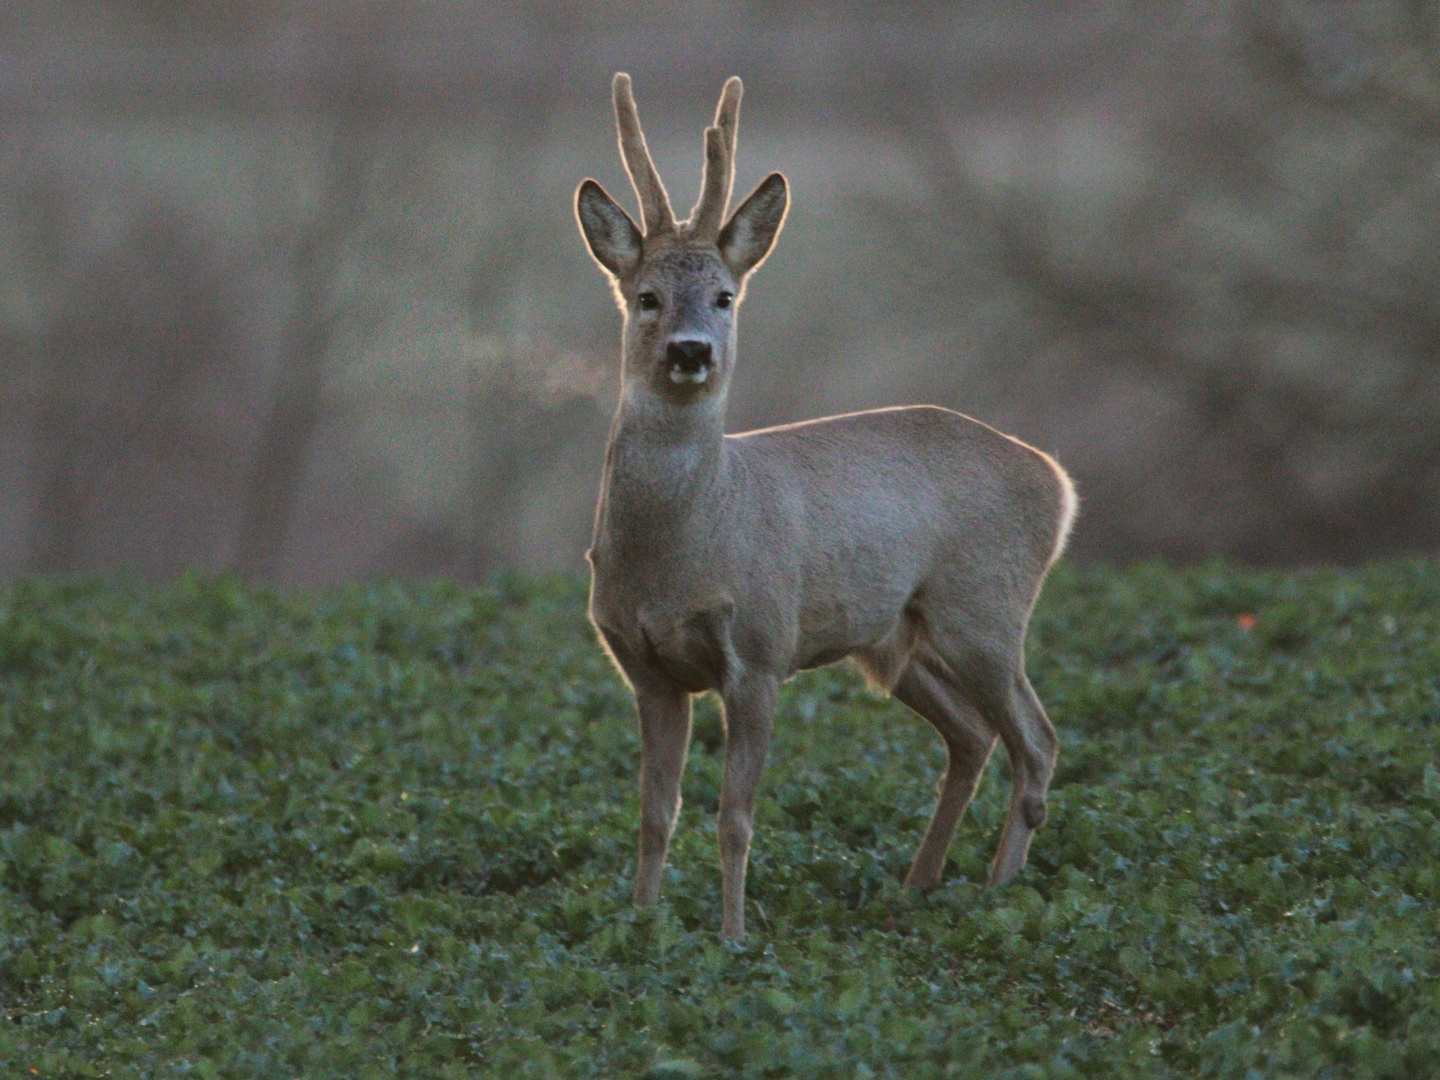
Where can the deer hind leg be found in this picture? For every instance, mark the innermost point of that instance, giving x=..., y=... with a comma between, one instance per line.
x=749, y=717
x=968, y=742
x=986, y=664
x=1016, y=713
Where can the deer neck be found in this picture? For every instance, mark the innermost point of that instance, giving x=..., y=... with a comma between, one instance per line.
x=665, y=465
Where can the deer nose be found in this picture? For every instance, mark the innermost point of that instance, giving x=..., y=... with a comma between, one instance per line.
x=689, y=361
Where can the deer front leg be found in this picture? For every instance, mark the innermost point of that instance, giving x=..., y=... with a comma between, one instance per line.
x=664, y=740
x=749, y=716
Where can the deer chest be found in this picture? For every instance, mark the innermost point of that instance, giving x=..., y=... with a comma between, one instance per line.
x=690, y=644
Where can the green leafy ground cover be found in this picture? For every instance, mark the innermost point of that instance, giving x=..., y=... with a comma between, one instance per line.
x=389, y=832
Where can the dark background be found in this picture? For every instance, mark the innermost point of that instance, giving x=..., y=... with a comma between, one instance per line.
x=296, y=288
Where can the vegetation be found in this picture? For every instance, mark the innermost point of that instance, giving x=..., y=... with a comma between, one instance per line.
x=389, y=831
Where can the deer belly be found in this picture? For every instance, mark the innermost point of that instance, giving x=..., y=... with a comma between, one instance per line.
x=831, y=632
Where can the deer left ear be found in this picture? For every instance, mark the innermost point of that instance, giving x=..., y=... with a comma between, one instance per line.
x=751, y=231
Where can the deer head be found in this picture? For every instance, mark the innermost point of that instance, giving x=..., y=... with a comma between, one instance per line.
x=679, y=283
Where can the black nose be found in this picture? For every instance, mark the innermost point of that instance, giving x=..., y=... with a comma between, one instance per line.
x=690, y=357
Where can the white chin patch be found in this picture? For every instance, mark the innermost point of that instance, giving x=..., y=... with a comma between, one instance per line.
x=694, y=378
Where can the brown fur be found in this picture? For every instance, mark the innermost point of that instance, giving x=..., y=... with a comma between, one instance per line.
x=913, y=541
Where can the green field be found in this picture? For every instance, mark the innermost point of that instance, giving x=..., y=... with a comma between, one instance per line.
x=389, y=831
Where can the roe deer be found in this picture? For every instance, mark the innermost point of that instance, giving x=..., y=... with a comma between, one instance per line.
x=912, y=540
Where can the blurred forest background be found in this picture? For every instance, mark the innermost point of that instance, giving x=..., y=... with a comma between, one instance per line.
x=295, y=287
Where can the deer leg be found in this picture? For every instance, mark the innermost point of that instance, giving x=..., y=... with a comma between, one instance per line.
x=664, y=740
x=968, y=742
x=749, y=716
x=1030, y=741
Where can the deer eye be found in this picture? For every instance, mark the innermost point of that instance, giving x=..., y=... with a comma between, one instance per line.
x=648, y=301
x=725, y=299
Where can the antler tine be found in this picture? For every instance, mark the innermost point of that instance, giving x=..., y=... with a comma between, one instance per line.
x=654, y=202
x=719, y=174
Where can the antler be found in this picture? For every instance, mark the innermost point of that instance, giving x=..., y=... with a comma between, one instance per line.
x=719, y=175
x=654, y=203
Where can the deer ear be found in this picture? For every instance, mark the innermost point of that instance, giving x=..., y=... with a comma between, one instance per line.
x=751, y=231
x=613, y=239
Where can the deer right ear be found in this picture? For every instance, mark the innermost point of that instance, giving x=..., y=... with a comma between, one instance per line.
x=613, y=238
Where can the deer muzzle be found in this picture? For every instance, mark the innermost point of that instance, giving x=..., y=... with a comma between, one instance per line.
x=689, y=361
